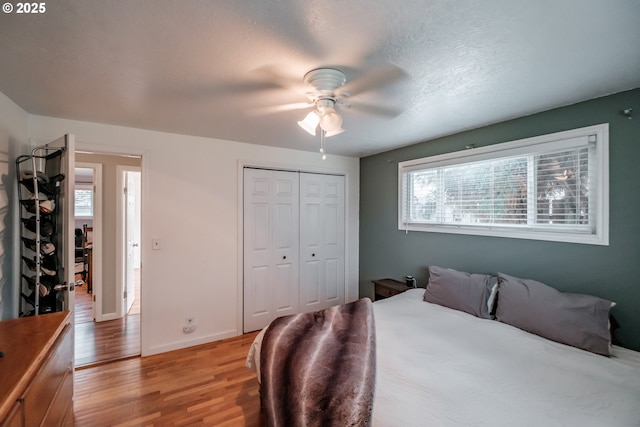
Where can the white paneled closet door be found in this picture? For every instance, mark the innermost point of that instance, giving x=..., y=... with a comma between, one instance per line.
x=322, y=275
x=271, y=246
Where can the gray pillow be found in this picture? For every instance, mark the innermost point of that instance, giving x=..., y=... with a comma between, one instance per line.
x=460, y=291
x=574, y=319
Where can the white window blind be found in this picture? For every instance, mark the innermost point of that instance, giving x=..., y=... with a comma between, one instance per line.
x=551, y=188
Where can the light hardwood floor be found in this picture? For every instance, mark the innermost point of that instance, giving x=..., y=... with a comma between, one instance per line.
x=105, y=341
x=83, y=310
x=98, y=342
x=206, y=385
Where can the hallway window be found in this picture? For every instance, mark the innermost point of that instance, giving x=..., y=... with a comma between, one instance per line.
x=84, y=202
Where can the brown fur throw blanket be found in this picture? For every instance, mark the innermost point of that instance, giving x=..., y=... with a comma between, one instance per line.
x=318, y=369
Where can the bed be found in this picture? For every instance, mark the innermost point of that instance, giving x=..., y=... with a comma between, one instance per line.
x=438, y=366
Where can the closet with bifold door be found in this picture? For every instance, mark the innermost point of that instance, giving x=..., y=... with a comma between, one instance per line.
x=294, y=244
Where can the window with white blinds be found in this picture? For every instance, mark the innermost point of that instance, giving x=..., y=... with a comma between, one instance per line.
x=552, y=187
x=83, y=201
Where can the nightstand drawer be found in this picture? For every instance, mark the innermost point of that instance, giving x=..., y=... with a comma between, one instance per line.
x=385, y=292
x=385, y=288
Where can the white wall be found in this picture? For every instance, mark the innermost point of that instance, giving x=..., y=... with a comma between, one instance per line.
x=191, y=200
x=13, y=142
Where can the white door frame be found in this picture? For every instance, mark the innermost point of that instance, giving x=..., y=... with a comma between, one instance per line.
x=96, y=265
x=121, y=241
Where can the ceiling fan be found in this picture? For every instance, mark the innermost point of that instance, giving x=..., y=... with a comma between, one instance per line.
x=329, y=91
x=326, y=82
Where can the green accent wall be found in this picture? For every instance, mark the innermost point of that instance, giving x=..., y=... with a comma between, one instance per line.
x=611, y=272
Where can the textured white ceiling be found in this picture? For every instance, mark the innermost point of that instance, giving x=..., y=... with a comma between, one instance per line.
x=201, y=67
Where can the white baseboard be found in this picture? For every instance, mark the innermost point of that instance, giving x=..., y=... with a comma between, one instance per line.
x=178, y=345
x=109, y=316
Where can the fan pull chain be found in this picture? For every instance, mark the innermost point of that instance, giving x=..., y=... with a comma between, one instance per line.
x=322, y=136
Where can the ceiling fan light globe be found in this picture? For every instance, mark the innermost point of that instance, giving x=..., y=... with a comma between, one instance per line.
x=334, y=132
x=330, y=120
x=310, y=123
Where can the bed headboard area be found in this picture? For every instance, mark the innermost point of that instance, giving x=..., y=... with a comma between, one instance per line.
x=608, y=272
x=577, y=320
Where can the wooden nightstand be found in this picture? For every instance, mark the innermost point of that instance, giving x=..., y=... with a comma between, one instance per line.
x=385, y=288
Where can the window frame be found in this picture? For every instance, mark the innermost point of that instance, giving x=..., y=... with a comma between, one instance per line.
x=599, y=202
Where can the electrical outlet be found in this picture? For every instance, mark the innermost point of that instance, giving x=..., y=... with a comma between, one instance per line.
x=189, y=325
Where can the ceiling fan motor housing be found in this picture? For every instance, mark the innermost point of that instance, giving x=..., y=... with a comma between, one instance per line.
x=325, y=80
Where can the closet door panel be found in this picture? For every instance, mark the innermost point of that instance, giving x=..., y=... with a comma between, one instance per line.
x=311, y=281
x=332, y=281
x=285, y=243
x=310, y=286
x=260, y=227
x=284, y=299
x=256, y=268
x=257, y=242
x=334, y=245
x=260, y=292
x=322, y=240
x=271, y=248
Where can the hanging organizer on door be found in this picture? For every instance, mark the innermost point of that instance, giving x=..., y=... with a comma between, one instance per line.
x=41, y=215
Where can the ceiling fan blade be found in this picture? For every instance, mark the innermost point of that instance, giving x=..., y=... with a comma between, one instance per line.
x=381, y=76
x=206, y=91
x=242, y=88
x=260, y=111
x=269, y=74
x=373, y=109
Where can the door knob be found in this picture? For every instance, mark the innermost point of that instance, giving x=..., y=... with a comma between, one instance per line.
x=64, y=286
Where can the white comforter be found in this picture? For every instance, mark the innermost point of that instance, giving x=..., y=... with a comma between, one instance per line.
x=441, y=367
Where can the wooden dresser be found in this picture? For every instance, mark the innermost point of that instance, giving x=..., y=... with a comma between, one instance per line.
x=36, y=372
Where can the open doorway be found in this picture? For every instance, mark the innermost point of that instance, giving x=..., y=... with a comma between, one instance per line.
x=87, y=191
x=112, y=330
